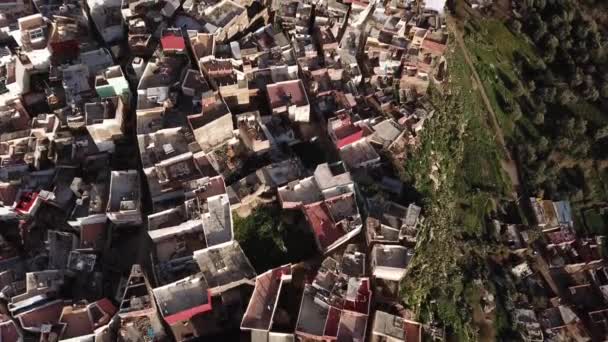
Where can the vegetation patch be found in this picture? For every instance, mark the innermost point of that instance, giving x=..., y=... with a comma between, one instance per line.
x=459, y=150
x=271, y=237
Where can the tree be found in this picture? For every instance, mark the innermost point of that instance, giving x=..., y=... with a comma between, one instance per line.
x=540, y=4
x=601, y=133
x=531, y=86
x=580, y=127
x=577, y=78
x=515, y=26
x=604, y=90
x=591, y=94
x=547, y=94
x=542, y=166
x=548, y=77
x=568, y=14
x=581, y=148
x=543, y=144
x=590, y=70
x=539, y=118
x=539, y=33
x=516, y=112
x=540, y=105
x=581, y=31
x=556, y=22
x=551, y=42
x=549, y=56
x=531, y=153
x=564, y=143
x=566, y=96
x=582, y=56
x=562, y=32
x=538, y=178
x=568, y=126
x=518, y=89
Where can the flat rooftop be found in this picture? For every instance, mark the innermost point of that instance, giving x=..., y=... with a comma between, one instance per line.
x=358, y=153
x=196, y=81
x=303, y=191
x=332, y=175
x=217, y=220
x=387, y=131
x=224, y=264
x=177, y=300
x=124, y=190
x=202, y=45
x=163, y=72
x=161, y=145
x=314, y=313
x=393, y=256
x=390, y=326
x=222, y=13
x=183, y=228
x=96, y=112
x=210, y=113
x=287, y=92
x=205, y=187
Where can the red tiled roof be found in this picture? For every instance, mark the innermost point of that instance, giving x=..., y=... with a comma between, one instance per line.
x=213, y=188
x=349, y=139
x=106, y=306
x=189, y=313
x=412, y=331
x=423, y=67
x=322, y=225
x=26, y=201
x=561, y=236
x=8, y=192
x=333, y=322
x=8, y=331
x=90, y=234
x=279, y=92
x=361, y=304
x=77, y=322
x=48, y=314
x=65, y=49
x=433, y=47
x=173, y=42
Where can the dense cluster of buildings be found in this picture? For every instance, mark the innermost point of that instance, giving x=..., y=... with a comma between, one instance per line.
x=559, y=276
x=132, y=132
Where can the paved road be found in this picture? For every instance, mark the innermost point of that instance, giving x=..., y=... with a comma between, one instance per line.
x=508, y=164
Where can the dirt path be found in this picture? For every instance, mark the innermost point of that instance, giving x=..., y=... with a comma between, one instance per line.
x=487, y=331
x=508, y=164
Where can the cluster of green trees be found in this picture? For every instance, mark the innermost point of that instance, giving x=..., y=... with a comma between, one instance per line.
x=271, y=237
x=562, y=94
x=571, y=46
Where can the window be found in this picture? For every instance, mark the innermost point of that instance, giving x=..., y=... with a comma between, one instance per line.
x=36, y=34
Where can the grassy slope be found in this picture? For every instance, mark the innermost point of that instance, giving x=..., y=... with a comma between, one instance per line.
x=494, y=47
x=450, y=253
